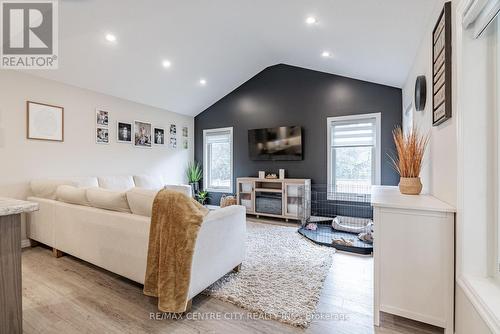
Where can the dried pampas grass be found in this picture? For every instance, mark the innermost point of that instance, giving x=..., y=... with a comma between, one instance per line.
x=410, y=149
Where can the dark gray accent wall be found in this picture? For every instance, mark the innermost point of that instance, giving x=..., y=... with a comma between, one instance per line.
x=284, y=95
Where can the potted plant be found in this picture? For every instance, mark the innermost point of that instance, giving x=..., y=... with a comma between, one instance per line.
x=202, y=197
x=410, y=149
x=194, y=174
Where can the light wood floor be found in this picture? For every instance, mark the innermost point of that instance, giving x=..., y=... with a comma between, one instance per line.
x=67, y=295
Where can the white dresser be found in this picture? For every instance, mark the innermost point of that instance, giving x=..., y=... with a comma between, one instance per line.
x=413, y=257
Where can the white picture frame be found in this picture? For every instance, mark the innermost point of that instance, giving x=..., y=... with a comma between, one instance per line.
x=101, y=135
x=101, y=117
x=142, y=137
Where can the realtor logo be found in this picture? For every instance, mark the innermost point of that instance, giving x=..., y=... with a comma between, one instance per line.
x=29, y=34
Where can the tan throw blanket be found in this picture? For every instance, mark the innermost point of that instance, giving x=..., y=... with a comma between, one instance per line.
x=175, y=223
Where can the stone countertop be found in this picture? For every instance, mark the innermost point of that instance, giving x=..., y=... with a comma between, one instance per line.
x=10, y=206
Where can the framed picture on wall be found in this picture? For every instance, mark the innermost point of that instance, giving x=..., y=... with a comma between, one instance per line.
x=102, y=135
x=101, y=117
x=44, y=121
x=441, y=67
x=159, y=136
x=142, y=134
x=124, y=132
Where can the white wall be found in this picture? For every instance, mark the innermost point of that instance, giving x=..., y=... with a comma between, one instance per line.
x=439, y=172
x=22, y=160
x=442, y=166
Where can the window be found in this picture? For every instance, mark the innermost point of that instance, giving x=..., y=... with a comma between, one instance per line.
x=353, y=155
x=218, y=160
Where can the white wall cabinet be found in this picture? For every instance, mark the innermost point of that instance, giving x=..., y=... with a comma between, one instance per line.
x=413, y=257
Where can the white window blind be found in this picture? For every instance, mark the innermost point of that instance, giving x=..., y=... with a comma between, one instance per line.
x=218, y=160
x=354, y=133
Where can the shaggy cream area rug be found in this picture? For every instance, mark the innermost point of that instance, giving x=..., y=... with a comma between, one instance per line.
x=281, y=277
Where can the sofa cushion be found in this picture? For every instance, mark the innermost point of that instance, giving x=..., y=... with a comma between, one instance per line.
x=85, y=181
x=47, y=188
x=154, y=182
x=140, y=201
x=71, y=194
x=185, y=189
x=108, y=199
x=122, y=183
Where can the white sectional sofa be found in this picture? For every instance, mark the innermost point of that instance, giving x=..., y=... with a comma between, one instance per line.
x=105, y=221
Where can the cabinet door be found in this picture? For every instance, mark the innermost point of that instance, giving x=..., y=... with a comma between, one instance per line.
x=294, y=200
x=245, y=195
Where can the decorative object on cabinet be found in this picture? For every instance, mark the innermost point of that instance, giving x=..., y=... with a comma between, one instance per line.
x=441, y=67
x=282, y=173
x=271, y=176
x=44, y=121
x=262, y=174
x=410, y=149
x=420, y=93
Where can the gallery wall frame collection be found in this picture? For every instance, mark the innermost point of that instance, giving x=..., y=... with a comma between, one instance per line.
x=46, y=122
x=441, y=67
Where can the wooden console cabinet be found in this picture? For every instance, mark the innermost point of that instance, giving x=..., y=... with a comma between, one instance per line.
x=294, y=197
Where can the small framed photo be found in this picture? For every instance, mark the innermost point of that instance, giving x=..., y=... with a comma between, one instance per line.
x=101, y=117
x=173, y=142
x=142, y=134
x=184, y=131
x=185, y=143
x=159, y=136
x=173, y=129
x=102, y=135
x=124, y=132
x=44, y=121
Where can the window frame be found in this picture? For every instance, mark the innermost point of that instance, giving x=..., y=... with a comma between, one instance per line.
x=205, y=161
x=377, y=155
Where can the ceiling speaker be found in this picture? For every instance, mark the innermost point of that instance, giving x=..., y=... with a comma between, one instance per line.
x=420, y=93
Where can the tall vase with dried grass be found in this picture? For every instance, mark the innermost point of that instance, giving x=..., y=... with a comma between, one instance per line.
x=410, y=149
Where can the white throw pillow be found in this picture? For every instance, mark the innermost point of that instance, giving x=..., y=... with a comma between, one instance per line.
x=141, y=201
x=108, y=199
x=122, y=183
x=47, y=188
x=73, y=195
x=154, y=182
x=185, y=189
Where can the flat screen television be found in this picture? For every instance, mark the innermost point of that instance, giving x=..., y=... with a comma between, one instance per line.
x=276, y=144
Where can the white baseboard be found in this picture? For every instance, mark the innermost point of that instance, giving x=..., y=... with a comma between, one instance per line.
x=25, y=243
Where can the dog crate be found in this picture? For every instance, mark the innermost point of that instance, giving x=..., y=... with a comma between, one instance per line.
x=340, y=218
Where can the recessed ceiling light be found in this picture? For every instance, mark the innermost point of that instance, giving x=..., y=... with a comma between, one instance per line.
x=326, y=54
x=311, y=20
x=110, y=38
x=203, y=82
x=166, y=63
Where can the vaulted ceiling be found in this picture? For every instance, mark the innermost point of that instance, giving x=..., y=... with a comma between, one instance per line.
x=226, y=42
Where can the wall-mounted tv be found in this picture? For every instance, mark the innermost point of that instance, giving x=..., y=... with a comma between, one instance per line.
x=276, y=144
